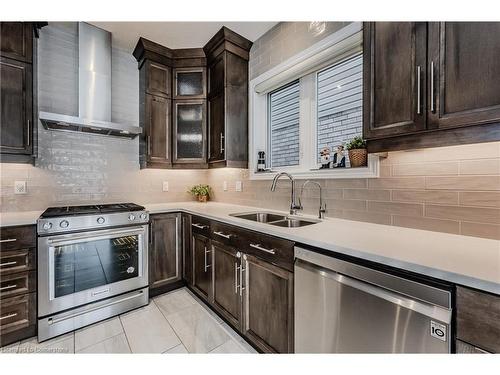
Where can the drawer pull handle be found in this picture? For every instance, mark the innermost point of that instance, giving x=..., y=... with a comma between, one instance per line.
x=259, y=247
x=9, y=240
x=8, y=264
x=228, y=236
x=199, y=226
x=8, y=316
x=13, y=286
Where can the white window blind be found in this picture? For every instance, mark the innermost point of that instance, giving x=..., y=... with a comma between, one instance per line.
x=340, y=103
x=284, y=125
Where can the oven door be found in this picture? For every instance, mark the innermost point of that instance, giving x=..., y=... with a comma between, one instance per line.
x=80, y=268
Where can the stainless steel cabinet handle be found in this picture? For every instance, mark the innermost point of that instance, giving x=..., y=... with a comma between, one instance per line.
x=228, y=236
x=8, y=263
x=222, y=149
x=236, y=269
x=8, y=240
x=199, y=226
x=432, y=87
x=149, y=145
x=419, y=73
x=8, y=316
x=29, y=132
x=259, y=247
x=242, y=269
x=13, y=286
x=206, y=266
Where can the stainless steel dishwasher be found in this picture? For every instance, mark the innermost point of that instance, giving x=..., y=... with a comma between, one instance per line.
x=342, y=307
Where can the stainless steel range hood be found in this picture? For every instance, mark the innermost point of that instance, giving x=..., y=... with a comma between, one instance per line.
x=94, y=89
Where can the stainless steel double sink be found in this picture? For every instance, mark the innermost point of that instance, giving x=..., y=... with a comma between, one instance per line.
x=276, y=219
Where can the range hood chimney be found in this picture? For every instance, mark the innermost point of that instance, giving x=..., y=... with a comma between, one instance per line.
x=94, y=89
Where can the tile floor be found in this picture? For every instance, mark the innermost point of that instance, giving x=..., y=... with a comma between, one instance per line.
x=175, y=322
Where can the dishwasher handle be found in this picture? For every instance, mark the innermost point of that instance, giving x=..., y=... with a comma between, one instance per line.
x=432, y=311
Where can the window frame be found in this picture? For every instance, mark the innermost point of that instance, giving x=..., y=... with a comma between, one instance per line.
x=347, y=41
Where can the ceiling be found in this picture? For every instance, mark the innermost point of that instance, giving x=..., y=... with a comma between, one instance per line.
x=178, y=34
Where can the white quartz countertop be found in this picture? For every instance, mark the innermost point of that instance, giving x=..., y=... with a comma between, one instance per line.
x=464, y=260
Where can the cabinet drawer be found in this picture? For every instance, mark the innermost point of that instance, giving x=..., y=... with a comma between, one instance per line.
x=223, y=233
x=478, y=319
x=17, y=261
x=17, y=312
x=200, y=225
x=13, y=238
x=17, y=283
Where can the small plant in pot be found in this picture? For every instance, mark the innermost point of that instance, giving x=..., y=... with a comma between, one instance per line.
x=201, y=192
x=358, y=156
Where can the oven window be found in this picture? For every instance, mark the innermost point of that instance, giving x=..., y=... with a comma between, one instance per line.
x=87, y=265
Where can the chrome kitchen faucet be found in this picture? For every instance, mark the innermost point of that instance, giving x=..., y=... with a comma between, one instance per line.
x=294, y=206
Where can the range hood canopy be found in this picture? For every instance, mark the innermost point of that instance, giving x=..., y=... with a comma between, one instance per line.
x=94, y=89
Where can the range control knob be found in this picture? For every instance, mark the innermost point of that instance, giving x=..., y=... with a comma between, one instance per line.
x=64, y=224
x=131, y=217
x=143, y=216
x=100, y=220
x=47, y=226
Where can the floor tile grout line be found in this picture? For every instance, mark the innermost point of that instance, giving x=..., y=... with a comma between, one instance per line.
x=98, y=342
x=170, y=325
x=95, y=324
x=125, y=332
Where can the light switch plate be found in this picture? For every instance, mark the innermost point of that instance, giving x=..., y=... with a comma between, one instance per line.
x=165, y=186
x=19, y=187
x=238, y=186
x=224, y=186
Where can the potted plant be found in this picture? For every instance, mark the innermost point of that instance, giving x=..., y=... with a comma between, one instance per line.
x=358, y=155
x=202, y=192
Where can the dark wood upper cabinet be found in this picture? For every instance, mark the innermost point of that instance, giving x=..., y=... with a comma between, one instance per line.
x=18, y=98
x=158, y=119
x=394, y=84
x=202, y=265
x=164, y=251
x=158, y=79
x=16, y=91
x=465, y=58
x=267, y=305
x=226, y=297
x=430, y=84
x=189, y=133
x=16, y=41
x=227, y=58
x=190, y=83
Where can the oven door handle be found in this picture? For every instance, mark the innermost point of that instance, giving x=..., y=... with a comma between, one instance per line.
x=95, y=235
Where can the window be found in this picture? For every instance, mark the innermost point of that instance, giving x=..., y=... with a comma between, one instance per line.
x=311, y=101
x=339, y=103
x=284, y=125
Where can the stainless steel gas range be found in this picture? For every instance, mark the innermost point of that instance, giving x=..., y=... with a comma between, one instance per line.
x=92, y=264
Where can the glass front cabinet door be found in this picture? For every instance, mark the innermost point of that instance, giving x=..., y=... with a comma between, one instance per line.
x=190, y=83
x=190, y=132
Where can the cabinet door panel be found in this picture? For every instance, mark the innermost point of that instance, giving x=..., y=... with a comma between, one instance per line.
x=466, y=61
x=190, y=83
x=202, y=265
x=216, y=124
x=159, y=79
x=16, y=40
x=394, y=60
x=16, y=106
x=164, y=255
x=189, y=131
x=226, y=278
x=158, y=129
x=268, y=306
x=216, y=80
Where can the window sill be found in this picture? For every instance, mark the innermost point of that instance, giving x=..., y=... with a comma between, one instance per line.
x=371, y=171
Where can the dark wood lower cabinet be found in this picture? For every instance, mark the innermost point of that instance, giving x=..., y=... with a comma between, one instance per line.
x=465, y=348
x=164, y=252
x=267, y=305
x=202, y=265
x=227, y=295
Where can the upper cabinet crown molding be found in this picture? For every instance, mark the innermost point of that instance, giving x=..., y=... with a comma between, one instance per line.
x=430, y=84
x=226, y=39
x=146, y=49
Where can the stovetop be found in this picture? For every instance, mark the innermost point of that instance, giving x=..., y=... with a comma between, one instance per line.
x=90, y=209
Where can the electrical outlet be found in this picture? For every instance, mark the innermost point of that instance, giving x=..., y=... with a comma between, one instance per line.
x=19, y=187
x=238, y=186
x=224, y=186
x=165, y=185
